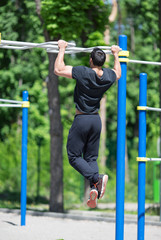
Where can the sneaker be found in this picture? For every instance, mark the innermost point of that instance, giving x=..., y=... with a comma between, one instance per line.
x=92, y=201
x=101, y=185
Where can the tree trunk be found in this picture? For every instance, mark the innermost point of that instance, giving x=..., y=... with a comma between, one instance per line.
x=119, y=17
x=56, y=131
x=103, y=157
x=56, y=140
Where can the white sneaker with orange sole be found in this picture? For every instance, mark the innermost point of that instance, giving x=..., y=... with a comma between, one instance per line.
x=92, y=201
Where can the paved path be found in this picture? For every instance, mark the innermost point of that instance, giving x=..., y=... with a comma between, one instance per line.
x=72, y=226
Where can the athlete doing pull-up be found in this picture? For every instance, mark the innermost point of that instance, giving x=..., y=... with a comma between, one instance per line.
x=84, y=135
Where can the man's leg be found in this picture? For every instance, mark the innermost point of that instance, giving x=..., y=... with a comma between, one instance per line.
x=91, y=147
x=77, y=139
x=90, y=155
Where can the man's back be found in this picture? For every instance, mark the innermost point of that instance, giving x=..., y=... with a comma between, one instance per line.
x=90, y=87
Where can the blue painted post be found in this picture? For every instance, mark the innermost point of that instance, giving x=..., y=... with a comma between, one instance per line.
x=121, y=131
x=24, y=159
x=142, y=153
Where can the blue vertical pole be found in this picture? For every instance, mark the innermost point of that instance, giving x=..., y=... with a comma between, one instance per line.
x=24, y=159
x=121, y=131
x=142, y=153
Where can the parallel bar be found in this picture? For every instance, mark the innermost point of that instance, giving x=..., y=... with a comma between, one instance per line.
x=121, y=131
x=154, y=109
x=78, y=51
x=154, y=159
x=70, y=50
x=29, y=44
x=10, y=101
x=11, y=105
x=142, y=154
x=138, y=61
x=51, y=47
x=24, y=160
x=144, y=62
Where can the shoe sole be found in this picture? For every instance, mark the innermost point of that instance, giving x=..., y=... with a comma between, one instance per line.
x=92, y=201
x=104, y=183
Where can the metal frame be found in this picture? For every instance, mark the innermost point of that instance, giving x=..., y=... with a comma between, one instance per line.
x=24, y=105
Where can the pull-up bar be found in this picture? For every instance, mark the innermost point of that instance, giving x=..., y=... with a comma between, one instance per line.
x=51, y=47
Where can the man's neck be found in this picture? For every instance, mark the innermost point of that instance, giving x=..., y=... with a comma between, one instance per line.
x=98, y=70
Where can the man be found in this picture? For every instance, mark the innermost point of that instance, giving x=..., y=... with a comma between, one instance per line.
x=84, y=135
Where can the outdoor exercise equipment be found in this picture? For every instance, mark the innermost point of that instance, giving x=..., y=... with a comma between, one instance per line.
x=142, y=159
x=52, y=47
x=120, y=181
x=24, y=105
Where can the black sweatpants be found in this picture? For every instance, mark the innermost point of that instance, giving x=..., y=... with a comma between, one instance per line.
x=83, y=145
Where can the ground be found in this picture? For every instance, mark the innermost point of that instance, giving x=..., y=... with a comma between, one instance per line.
x=75, y=225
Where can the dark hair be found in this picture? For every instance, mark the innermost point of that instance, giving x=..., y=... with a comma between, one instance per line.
x=98, y=57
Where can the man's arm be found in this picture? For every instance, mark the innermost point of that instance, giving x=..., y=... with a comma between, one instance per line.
x=60, y=68
x=117, y=68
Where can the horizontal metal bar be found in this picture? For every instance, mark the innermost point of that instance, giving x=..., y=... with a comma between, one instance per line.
x=11, y=105
x=10, y=101
x=51, y=47
x=146, y=108
x=154, y=109
x=28, y=45
x=154, y=159
x=144, y=62
x=70, y=52
x=145, y=159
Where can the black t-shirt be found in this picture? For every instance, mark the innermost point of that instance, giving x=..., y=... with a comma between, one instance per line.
x=90, y=87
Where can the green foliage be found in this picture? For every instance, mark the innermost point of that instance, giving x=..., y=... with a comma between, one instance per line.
x=70, y=19
x=23, y=70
